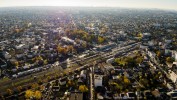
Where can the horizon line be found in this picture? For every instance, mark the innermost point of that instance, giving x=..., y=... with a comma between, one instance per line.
x=93, y=7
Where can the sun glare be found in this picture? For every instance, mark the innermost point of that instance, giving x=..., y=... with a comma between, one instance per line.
x=62, y=3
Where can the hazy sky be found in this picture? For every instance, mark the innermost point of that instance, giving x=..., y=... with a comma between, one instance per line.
x=163, y=4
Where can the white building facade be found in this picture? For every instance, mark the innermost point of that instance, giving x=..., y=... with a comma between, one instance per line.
x=98, y=80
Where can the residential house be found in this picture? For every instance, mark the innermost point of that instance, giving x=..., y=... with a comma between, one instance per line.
x=151, y=54
x=62, y=81
x=83, y=74
x=146, y=36
x=173, y=76
x=174, y=55
x=68, y=40
x=98, y=80
x=56, y=88
x=7, y=55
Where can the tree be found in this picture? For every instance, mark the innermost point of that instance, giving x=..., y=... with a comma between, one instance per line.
x=83, y=88
x=38, y=95
x=19, y=88
x=16, y=64
x=120, y=61
x=116, y=86
x=62, y=50
x=56, y=75
x=17, y=30
x=169, y=59
x=158, y=53
x=113, y=72
x=88, y=39
x=45, y=62
x=70, y=83
x=84, y=44
x=130, y=61
x=40, y=81
x=9, y=91
x=139, y=60
x=35, y=86
x=39, y=58
x=157, y=75
x=70, y=48
x=100, y=39
x=140, y=35
x=126, y=80
x=42, y=87
x=48, y=78
x=144, y=82
x=29, y=94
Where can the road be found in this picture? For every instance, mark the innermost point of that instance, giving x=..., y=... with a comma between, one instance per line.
x=91, y=83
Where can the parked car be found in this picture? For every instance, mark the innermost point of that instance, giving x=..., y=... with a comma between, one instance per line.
x=131, y=95
x=139, y=95
x=173, y=95
x=116, y=97
x=123, y=96
x=108, y=95
x=148, y=94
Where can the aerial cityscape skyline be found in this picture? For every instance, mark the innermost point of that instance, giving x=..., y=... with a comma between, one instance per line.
x=88, y=50
x=160, y=4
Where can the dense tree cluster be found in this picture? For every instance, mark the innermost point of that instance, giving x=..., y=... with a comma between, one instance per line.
x=129, y=61
x=83, y=35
